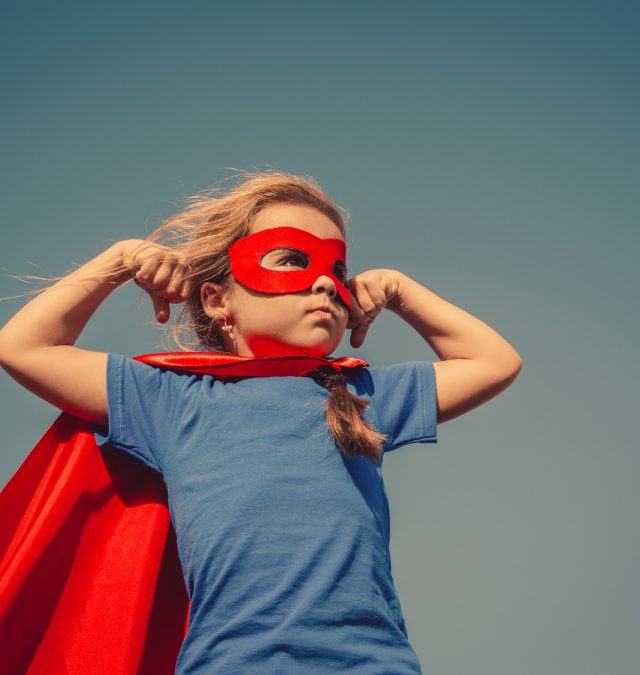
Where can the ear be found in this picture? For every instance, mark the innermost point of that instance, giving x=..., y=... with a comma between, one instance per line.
x=214, y=299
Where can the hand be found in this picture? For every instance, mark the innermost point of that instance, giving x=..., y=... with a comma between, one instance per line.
x=160, y=271
x=371, y=292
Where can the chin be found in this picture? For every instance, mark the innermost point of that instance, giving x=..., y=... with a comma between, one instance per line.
x=299, y=350
x=268, y=348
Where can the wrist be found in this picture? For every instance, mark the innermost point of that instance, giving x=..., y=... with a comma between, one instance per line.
x=108, y=268
x=122, y=258
x=395, y=286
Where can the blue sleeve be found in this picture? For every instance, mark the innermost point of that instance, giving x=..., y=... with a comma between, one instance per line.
x=404, y=401
x=139, y=399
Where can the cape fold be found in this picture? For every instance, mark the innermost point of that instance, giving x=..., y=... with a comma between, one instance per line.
x=90, y=578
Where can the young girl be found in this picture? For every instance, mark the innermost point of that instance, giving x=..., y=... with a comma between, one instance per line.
x=273, y=476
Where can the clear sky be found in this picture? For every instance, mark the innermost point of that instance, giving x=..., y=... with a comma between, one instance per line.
x=489, y=151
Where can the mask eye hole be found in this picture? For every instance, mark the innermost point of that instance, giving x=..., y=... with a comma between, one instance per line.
x=340, y=270
x=285, y=260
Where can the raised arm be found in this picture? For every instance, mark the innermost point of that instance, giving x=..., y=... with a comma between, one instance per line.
x=477, y=363
x=37, y=343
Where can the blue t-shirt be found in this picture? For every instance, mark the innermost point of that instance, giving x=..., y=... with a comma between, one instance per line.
x=284, y=544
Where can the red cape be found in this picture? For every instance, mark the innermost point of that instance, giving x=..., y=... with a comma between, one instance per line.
x=90, y=579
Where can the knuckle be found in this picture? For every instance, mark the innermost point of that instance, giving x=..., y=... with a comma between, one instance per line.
x=156, y=284
x=146, y=265
x=173, y=292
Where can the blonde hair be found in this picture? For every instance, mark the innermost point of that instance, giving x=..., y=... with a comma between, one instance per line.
x=203, y=232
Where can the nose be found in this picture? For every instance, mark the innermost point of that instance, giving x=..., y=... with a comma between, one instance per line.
x=325, y=283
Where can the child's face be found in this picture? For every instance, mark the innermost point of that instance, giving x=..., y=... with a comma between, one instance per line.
x=275, y=324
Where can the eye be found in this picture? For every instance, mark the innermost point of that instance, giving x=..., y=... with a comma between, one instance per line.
x=295, y=259
x=340, y=270
x=287, y=259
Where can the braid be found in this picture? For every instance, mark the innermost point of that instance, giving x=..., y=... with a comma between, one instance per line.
x=352, y=433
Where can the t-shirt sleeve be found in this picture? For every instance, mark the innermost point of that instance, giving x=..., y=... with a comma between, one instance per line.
x=139, y=399
x=404, y=399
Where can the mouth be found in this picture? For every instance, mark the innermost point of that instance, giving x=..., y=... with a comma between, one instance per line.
x=323, y=312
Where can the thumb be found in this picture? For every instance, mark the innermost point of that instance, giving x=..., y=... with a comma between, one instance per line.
x=358, y=335
x=161, y=308
x=160, y=305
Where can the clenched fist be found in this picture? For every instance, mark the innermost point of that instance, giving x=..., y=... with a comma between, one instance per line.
x=160, y=271
x=371, y=292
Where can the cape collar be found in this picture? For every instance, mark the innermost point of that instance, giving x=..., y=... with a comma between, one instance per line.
x=228, y=365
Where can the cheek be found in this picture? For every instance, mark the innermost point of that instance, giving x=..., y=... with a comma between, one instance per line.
x=263, y=313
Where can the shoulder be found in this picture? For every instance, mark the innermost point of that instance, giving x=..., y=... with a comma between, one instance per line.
x=150, y=380
x=374, y=380
x=403, y=400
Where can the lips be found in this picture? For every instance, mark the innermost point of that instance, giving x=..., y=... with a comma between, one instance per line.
x=324, y=308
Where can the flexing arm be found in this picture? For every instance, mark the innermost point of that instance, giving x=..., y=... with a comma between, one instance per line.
x=477, y=362
x=36, y=344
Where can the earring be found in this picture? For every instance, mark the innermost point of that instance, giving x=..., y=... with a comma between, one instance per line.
x=227, y=328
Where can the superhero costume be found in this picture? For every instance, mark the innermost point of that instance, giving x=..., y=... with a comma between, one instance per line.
x=90, y=579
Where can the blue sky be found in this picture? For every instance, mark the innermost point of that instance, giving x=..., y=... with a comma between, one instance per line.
x=489, y=151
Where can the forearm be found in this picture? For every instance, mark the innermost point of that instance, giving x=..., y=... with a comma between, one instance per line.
x=58, y=315
x=450, y=331
x=37, y=344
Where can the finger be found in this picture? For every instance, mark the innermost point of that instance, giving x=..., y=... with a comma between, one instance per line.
x=374, y=300
x=162, y=276
x=358, y=335
x=182, y=293
x=161, y=308
x=167, y=293
x=366, y=302
x=356, y=315
x=356, y=319
x=147, y=270
x=174, y=287
x=365, y=317
x=160, y=305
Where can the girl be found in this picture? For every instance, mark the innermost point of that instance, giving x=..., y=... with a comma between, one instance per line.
x=274, y=482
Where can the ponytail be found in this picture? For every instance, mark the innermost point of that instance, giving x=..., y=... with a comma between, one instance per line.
x=352, y=433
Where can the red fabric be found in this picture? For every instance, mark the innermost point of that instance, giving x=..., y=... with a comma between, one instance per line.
x=90, y=579
x=246, y=253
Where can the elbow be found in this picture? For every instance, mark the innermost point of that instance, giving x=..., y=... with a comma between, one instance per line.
x=512, y=361
x=510, y=366
x=4, y=348
x=513, y=374
x=8, y=348
x=514, y=370
x=503, y=359
x=507, y=373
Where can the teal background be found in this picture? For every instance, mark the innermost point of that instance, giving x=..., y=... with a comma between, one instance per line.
x=489, y=151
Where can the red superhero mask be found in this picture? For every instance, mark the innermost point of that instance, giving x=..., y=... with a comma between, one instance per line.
x=253, y=255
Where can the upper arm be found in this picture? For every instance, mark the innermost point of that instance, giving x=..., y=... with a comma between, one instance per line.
x=404, y=401
x=144, y=403
x=70, y=378
x=464, y=384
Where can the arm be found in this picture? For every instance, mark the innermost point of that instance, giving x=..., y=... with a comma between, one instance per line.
x=36, y=344
x=477, y=363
